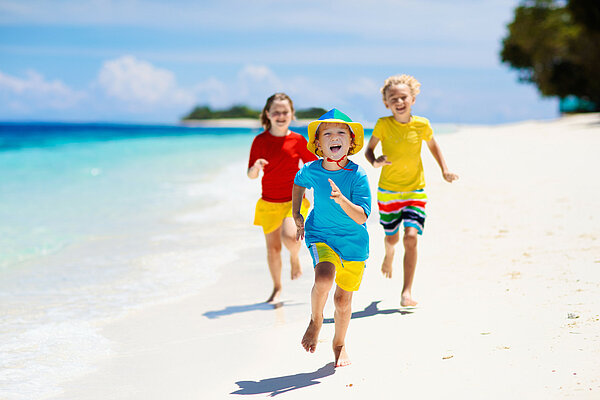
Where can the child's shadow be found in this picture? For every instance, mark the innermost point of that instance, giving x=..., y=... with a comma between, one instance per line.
x=282, y=384
x=243, y=308
x=371, y=310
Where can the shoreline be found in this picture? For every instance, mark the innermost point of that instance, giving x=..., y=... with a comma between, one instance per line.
x=235, y=123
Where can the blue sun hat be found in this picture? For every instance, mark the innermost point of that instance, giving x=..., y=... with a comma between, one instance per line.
x=336, y=116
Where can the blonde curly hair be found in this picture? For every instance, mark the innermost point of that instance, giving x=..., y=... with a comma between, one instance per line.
x=410, y=81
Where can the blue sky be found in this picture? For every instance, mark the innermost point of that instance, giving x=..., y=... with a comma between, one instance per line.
x=152, y=61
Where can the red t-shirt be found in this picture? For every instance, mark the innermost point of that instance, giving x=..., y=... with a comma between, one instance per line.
x=283, y=154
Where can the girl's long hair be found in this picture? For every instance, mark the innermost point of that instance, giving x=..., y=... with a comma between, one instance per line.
x=264, y=120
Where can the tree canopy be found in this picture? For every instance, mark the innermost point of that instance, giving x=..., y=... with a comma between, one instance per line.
x=310, y=113
x=236, y=111
x=556, y=45
x=242, y=111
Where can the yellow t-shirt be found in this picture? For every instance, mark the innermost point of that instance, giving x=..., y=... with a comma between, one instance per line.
x=401, y=143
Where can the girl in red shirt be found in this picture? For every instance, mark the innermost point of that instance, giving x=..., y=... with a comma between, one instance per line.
x=278, y=152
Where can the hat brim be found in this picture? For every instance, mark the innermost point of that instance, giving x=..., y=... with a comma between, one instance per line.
x=357, y=129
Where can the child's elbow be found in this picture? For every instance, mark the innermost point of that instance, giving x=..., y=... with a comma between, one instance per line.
x=362, y=219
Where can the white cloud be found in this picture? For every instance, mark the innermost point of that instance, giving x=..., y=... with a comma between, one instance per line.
x=212, y=92
x=258, y=81
x=364, y=87
x=141, y=85
x=35, y=92
x=258, y=74
x=255, y=83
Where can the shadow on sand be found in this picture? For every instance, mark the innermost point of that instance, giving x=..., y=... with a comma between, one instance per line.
x=229, y=310
x=283, y=384
x=371, y=310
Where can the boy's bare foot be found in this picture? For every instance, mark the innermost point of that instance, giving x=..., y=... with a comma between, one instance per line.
x=275, y=295
x=311, y=336
x=296, y=268
x=341, y=357
x=407, y=301
x=386, y=266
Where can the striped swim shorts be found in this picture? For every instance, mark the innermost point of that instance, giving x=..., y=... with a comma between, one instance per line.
x=395, y=207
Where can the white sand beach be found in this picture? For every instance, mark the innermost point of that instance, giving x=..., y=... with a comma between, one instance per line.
x=508, y=284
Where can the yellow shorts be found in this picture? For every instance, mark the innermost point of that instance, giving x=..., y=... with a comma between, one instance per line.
x=348, y=274
x=271, y=215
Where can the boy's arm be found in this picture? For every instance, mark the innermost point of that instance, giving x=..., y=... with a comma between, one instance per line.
x=297, y=196
x=255, y=169
x=436, y=151
x=370, y=154
x=356, y=212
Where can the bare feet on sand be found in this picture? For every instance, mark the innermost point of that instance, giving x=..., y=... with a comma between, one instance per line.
x=275, y=295
x=311, y=336
x=341, y=357
x=386, y=266
x=407, y=300
x=296, y=268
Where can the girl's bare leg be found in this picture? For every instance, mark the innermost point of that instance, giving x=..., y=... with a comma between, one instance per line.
x=288, y=237
x=273, y=240
x=324, y=275
x=343, y=312
x=410, y=265
x=390, y=248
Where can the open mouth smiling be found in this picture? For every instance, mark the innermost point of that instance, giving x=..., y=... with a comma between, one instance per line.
x=335, y=148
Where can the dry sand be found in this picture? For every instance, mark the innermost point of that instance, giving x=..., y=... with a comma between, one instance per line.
x=508, y=284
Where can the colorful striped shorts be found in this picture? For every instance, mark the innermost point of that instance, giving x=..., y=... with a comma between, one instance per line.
x=395, y=207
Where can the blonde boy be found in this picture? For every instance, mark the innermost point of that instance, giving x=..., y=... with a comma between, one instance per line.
x=400, y=195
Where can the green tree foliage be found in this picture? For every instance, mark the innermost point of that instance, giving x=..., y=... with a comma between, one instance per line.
x=310, y=113
x=242, y=111
x=236, y=111
x=557, y=47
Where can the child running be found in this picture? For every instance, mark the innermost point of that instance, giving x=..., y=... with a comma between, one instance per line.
x=277, y=152
x=400, y=195
x=336, y=231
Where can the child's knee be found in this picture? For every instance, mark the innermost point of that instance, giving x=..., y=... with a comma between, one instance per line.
x=290, y=239
x=342, y=299
x=410, y=238
x=392, y=239
x=274, y=249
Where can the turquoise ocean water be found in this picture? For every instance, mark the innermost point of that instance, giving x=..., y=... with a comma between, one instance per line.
x=96, y=220
x=100, y=219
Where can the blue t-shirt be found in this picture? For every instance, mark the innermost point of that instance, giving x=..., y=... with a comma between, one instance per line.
x=327, y=222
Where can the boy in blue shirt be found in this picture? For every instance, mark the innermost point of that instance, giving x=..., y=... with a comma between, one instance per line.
x=336, y=231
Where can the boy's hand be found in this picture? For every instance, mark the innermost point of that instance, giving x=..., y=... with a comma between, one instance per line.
x=381, y=161
x=299, y=220
x=336, y=194
x=449, y=176
x=260, y=163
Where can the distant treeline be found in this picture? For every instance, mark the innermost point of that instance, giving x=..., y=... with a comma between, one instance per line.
x=242, y=111
x=555, y=44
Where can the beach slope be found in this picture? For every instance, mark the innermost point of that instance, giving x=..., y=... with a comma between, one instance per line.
x=508, y=284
